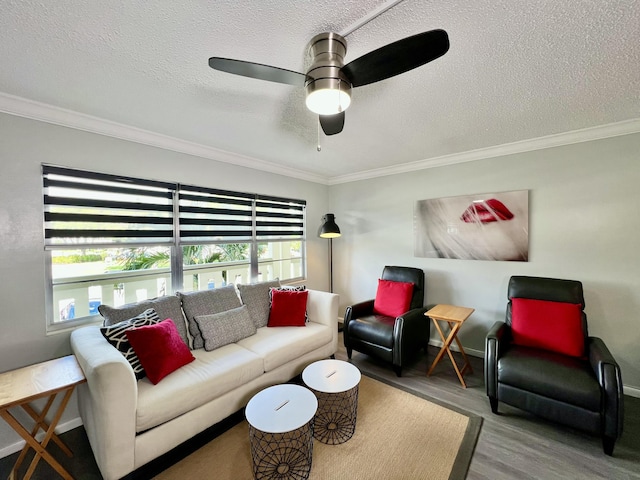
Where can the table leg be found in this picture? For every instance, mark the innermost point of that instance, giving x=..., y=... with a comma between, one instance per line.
x=453, y=335
x=443, y=349
x=467, y=363
x=38, y=419
x=40, y=447
x=454, y=332
x=41, y=423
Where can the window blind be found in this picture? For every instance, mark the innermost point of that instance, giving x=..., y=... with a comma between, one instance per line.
x=208, y=215
x=85, y=208
x=279, y=218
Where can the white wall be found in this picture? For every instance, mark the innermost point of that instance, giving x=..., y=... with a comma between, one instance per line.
x=24, y=146
x=584, y=224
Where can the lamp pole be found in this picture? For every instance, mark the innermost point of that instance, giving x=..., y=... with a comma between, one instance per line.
x=331, y=265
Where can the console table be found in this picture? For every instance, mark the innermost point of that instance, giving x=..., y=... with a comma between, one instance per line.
x=454, y=317
x=18, y=388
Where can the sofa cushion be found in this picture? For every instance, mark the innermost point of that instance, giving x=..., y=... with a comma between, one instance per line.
x=288, y=308
x=206, y=302
x=116, y=336
x=278, y=346
x=223, y=328
x=256, y=297
x=166, y=307
x=392, y=298
x=210, y=376
x=554, y=326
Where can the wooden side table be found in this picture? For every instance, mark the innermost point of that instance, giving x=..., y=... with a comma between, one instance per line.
x=20, y=387
x=454, y=317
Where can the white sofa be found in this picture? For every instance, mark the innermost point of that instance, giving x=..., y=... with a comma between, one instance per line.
x=129, y=422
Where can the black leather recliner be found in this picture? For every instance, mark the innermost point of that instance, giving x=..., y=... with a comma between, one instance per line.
x=394, y=340
x=584, y=393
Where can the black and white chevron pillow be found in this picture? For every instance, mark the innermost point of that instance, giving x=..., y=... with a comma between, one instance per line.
x=115, y=336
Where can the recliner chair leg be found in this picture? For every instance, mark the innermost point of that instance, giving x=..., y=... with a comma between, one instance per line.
x=349, y=352
x=494, y=404
x=607, y=445
x=398, y=370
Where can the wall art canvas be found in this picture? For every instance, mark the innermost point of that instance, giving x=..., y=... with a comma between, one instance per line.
x=488, y=226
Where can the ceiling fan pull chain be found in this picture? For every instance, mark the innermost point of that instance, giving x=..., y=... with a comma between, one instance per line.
x=319, y=148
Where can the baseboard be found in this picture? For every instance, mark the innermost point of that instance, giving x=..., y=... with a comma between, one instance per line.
x=631, y=391
x=61, y=428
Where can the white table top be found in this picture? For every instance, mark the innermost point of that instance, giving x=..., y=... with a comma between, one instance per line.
x=281, y=408
x=331, y=376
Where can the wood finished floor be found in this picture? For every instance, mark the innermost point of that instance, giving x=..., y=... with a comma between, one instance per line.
x=512, y=445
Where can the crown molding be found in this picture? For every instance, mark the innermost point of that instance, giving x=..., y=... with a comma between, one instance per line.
x=626, y=127
x=43, y=112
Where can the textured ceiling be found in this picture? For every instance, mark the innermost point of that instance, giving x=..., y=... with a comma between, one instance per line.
x=515, y=71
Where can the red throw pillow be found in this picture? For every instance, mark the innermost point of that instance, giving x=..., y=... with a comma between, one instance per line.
x=288, y=308
x=392, y=298
x=554, y=326
x=160, y=349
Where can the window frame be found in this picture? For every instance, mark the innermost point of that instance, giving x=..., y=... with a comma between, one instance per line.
x=175, y=244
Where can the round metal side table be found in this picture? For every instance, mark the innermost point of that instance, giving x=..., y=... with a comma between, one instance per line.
x=335, y=384
x=281, y=432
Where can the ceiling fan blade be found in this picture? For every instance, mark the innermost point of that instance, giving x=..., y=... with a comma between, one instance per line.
x=257, y=70
x=397, y=57
x=332, y=124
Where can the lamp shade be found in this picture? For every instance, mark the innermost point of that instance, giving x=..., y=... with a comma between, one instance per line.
x=329, y=229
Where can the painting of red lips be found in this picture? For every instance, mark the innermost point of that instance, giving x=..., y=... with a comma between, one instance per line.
x=486, y=211
x=490, y=226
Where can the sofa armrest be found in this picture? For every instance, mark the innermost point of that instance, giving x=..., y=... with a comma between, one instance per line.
x=608, y=373
x=322, y=307
x=495, y=343
x=108, y=401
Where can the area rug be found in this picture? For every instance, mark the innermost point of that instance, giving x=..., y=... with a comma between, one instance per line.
x=400, y=434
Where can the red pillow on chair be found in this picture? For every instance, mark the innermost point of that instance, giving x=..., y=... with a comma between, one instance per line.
x=392, y=298
x=554, y=326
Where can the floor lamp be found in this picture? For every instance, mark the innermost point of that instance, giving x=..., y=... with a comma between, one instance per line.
x=329, y=230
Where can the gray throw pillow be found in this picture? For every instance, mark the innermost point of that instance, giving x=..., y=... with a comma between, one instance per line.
x=224, y=328
x=116, y=336
x=166, y=307
x=256, y=298
x=206, y=302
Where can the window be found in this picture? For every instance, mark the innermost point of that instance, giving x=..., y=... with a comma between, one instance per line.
x=117, y=240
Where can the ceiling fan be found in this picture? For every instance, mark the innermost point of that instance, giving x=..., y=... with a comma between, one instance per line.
x=328, y=81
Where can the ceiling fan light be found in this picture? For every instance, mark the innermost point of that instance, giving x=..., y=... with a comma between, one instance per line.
x=328, y=101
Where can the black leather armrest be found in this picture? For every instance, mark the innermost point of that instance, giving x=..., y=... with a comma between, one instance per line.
x=609, y=376
x=411, y=328
x=496, y=342
x=358, y=310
